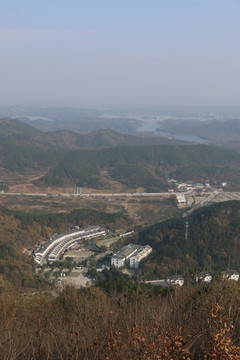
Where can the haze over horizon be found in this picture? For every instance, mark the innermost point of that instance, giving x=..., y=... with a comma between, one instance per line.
x=120, y=53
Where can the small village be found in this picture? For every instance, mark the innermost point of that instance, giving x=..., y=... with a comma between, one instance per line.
x=192, y=186
x=72, y=258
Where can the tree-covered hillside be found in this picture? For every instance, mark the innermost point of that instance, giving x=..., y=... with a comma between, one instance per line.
x=24, y=148
x=213, y=242
x=70, y=159
x=147, y=166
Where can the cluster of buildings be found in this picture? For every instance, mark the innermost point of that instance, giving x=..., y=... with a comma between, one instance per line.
x=174, y=280
x=130, y=254
x=57, y=244
x=206, y=277
x=190, y=186
x=201, y=278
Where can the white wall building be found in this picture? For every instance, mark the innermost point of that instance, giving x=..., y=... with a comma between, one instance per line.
x=175, y=280
x=118, y=260
x=231, y=275
x=57, y=244
x=140, y=254
x=131, y=254
x=181, y=199
x=204, y=277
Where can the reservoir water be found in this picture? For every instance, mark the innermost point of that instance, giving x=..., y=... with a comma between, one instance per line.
x=151, y=125
x=189, y=138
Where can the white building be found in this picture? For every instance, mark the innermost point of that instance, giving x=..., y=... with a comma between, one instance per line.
x=54, y=247
x=118, y=260
x=162, y=283
x=131, y=254
x=181, y=199
x=140, y=254
x=204, y=277
x=231, y=275
x=175, y=280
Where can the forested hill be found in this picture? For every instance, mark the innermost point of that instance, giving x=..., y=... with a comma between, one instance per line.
x=147, y=166
x=94, y=160
x=24, y=148
x=213, y=242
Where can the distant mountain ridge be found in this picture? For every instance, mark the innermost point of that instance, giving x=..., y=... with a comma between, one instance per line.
x=23, y=147
x=67, y=158
x=22, y=133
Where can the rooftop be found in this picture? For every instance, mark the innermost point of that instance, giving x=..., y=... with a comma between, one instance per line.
x=126, y=251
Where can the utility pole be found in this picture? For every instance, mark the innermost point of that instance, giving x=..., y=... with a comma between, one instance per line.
x=186, y=230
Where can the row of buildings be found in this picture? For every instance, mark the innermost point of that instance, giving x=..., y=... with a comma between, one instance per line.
x=201, y=278
x=206, y=277
x=190, y=186
x=130, y=254
x=169, y=281
x=57, y=244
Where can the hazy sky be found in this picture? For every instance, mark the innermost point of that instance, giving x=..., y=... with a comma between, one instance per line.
x=120, y=52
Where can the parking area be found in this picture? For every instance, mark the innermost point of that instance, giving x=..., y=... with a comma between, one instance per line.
x=77, y=278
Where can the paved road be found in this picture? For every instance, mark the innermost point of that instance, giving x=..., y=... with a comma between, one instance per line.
x=24, y=194
x=215, y=197
x=125, y=194
x=108, y=195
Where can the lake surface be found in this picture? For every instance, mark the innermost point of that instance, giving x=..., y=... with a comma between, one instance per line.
x=189, y=138
x=151, y=125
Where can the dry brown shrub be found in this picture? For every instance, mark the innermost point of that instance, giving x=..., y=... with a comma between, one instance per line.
x=220, y=328
x=155, y=346
x=88, y=325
